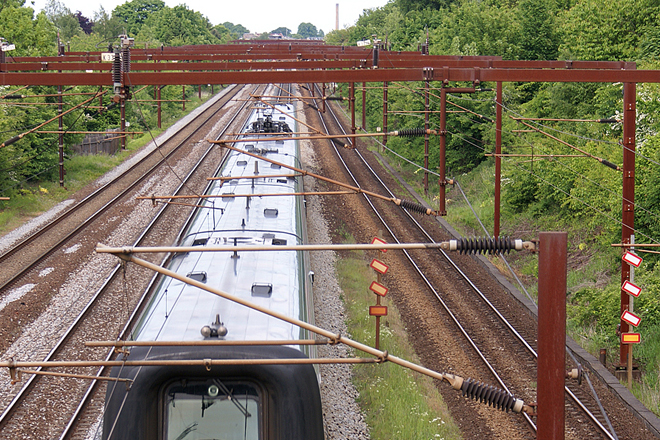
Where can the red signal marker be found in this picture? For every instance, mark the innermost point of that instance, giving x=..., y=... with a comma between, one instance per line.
x=631, y=289
x=378, y=310
x=377, y=240
x=632, y=259
x=378, y=289
x=378, y=266
x=631, y=318
x=631, y=338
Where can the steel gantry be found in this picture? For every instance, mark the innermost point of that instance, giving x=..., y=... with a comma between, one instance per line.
x=313, y=62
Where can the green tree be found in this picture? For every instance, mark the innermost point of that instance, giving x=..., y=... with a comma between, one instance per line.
x=64, y=20
x=236, y=30
x=282, y=30
x=133, y=14
x=106, y=26
x=539, y=39
x=604, y=30
x=307, y=30
x=177, y=26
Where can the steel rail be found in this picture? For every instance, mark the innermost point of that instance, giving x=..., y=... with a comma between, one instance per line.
x=92, y=387
x=591, y=416
x=83, y=203
x=518, y=336
x=29, y=382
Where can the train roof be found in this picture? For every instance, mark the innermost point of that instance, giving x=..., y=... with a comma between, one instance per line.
x=178, y=311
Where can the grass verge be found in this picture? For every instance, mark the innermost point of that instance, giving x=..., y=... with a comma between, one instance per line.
x=397, y=402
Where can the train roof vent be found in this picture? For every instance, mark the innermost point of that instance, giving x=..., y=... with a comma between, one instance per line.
x=198, y=276
x=282, y=118
x=279, y=141
x=271, y=212
x=241, y=163
x=200, y=241
x=264, y=290
x=279, y=242
x=275, y=166
x=233, y=182
x=282, y=181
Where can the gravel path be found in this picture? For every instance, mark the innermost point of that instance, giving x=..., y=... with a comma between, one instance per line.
x=342, y=416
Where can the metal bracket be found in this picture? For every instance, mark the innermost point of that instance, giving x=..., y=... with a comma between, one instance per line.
x=427, y=73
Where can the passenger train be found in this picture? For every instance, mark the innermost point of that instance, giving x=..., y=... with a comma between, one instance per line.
x=229, y=402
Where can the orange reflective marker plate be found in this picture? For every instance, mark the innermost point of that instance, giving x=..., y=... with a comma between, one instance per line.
x=378, y=310
x=631, y=338
x=378, y=266
x=378, y=289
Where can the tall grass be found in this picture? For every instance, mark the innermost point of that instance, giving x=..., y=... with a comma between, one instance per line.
x=397, y=402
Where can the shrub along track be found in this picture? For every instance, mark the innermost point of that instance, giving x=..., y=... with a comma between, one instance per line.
x=436, y=340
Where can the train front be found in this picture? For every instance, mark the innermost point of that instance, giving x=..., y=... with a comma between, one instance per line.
x=238, y=400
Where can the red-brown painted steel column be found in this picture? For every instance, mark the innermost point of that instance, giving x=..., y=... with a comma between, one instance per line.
x=426, y=137
x=443, y=148
x=159, y=107
x=551, y=335
x=323, y=98
x=352, y=101
x=364, y=106
x=122, y=120
x=385, y=112
x=61, y=135
x=498, y=158
x=628, y=214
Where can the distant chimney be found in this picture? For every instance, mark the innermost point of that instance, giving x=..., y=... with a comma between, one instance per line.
x=337, y=19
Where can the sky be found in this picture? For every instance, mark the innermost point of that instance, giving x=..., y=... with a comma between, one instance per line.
x=256, y=15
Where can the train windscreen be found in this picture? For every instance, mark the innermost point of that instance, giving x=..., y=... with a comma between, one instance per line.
x=211, y=409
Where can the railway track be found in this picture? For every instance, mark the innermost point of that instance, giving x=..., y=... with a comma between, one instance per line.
x=483, y=318
x=77, y=410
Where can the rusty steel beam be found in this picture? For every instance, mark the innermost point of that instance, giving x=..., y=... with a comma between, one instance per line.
x=362, y=75
x=551, y=335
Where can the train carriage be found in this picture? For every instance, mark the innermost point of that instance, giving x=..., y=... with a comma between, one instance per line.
x=233, y=401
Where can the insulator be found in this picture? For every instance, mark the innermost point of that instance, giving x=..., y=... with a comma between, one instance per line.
x=338, y=143
x=375, y=57
x=485, y=245
x=607, y=121
x=314, y=107
x=412, y=132
x=490, y=395
x=116, y=69
x=13, y=96
x=607, y=163
x=334, y=98
x=126, y=59
x=410, y=206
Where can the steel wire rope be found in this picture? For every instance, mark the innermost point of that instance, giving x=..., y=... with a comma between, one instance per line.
x=593, y=182
x=39, y=150
x=613, y=435
x=156, y=144
x=513, y=163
